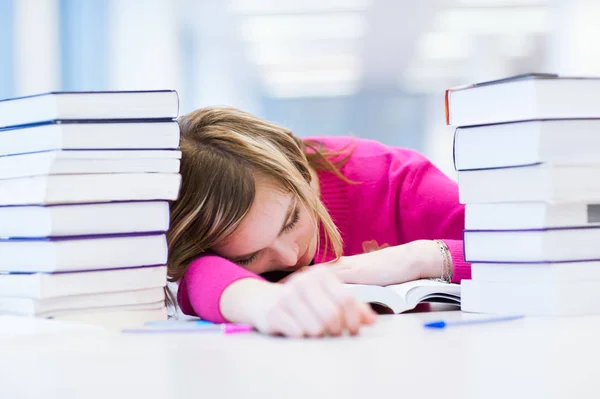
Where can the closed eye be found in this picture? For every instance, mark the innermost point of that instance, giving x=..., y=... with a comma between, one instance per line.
x=288, y=227
x=294, y=221
x=247, y=261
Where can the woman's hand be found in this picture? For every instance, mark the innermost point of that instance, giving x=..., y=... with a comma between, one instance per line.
x=391, y=265
x=309, y=304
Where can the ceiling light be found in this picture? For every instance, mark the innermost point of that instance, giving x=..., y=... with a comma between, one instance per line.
x=447, y=45
x=305, y=27
x=329, y=89
x=331, y=61
x=502, y=3
x=315, y=76
x=272, y=52
x=298, y=6
x=495, y=20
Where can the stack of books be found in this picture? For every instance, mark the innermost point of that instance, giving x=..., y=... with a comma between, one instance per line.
x=85, y=180
x=527, y=152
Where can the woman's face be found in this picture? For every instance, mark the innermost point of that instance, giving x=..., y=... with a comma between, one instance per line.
x=276, y=234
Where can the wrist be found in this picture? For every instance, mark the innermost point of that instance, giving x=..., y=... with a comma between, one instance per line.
x=243, y=300
x=435, y=260
x=439, y=265
x=447, y=264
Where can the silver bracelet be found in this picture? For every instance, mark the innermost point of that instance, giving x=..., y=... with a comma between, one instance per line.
x=446, y=276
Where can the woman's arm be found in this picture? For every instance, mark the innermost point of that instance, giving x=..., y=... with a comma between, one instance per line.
x=313, y=304
x=427, y=210
x=200, y=289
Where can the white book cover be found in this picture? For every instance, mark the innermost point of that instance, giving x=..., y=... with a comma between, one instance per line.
x=532, y=246
x=69, y=189
x=64, y=313
x=544, y=272
x=82, y=253
x=522, y=98
x=534, y=183
x=86, y=135
x=52, y=285
x=72, y=162
x=102, y=105
x=84, y=219
x=527, y=143
x=45, y=307
x=531, y=298
x=530, y=215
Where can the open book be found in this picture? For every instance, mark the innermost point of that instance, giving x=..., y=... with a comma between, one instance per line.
x=399, y=298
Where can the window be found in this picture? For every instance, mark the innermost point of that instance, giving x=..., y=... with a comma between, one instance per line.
x=6, y=49
x=84, y=44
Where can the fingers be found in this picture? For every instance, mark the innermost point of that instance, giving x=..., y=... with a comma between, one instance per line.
x=367, y=315
x=351, y=315
x=297, y=306
x=350, y=307
x=314, y=303
x=320, y=305
x=324, y=307
x=283, y=323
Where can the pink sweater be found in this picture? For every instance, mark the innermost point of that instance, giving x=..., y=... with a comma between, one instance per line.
x=401, y=197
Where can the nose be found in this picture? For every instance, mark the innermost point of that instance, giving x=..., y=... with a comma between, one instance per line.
x=287, y=253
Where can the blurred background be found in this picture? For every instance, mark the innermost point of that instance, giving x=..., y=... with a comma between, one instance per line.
x=369, y=68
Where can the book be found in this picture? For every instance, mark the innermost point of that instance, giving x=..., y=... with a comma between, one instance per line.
x=541, y=183
x=51, y=285
x=110, y=105
x=400, y=298
x=89, y=135
x=529, y=215
x=102, y=308
x=522, y=98
x=82, y=253
x=531, y=298
x=89, y=162
x=114, y=319
x=531, y=246
x=527, y=143
x=84, y=219
x=149, y=298
x=65, y=189
x=536, y=272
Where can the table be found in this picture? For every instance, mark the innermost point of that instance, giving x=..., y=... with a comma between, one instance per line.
x=396, y=358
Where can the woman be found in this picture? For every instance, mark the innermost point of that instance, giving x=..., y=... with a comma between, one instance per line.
x=257, y=204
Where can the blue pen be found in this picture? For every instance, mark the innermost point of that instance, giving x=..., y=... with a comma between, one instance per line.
x=178, y=322
x=444, y=324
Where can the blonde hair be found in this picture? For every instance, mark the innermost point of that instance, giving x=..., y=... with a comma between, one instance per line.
x=222, y=150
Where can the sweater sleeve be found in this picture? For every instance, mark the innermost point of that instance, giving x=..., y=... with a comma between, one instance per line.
x=429, y=209
x=200, y=289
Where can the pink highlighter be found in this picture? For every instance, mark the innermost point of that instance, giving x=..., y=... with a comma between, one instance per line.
x=191, y=327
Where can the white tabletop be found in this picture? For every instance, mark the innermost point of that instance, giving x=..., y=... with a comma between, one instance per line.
x=396, y=358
